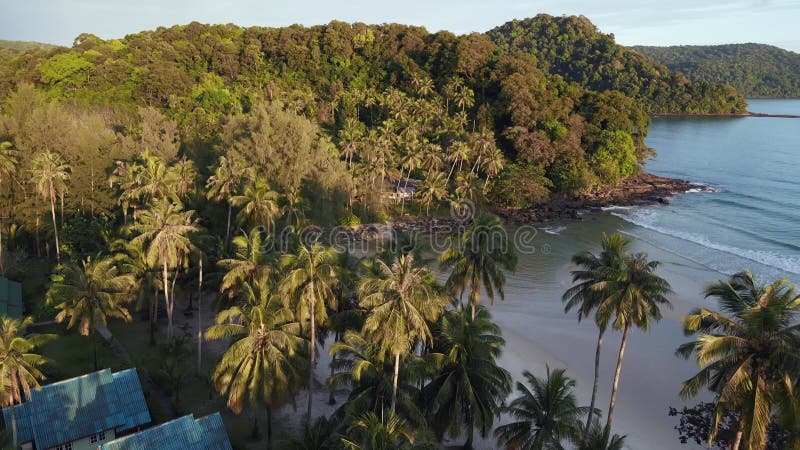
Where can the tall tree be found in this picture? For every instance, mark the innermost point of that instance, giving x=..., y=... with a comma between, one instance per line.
x=223, y=185
x=470, y=388
x=8, y=168
x=262, y=364
x=258, y=204
x=401, y=299
x=478, y=259
x=19, y=368
x=165, y=230
x=745, y=349
x=311, y=275
x=50, y=174
x=251, y=261
x=633, y=297
x=548, y=414
x=588, y=294
x=89, y=294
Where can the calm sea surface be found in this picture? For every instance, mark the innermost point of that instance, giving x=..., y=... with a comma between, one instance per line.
x=753, y=220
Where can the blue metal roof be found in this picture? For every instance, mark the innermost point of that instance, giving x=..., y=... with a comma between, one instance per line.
x=184, y=433
x=73, y=409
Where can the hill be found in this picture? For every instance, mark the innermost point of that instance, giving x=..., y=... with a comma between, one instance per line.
x=533, y=109
x=573, y=48
x=21, y=46
x=755, y=70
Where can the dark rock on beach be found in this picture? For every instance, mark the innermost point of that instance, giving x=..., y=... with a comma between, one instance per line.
x=638, y=190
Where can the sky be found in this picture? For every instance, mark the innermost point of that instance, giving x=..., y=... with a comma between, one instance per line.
x=646, y=22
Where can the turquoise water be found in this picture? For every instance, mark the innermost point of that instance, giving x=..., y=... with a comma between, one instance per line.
x=753, y=220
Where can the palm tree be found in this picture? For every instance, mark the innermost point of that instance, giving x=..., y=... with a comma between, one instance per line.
x=370, y=432
x=262, y=365
x=164, y=229
x=459, y=152
x=19, y=368
x=144, y=181
x=478, y=259
x=364, y=370
x=587, y=295
x=133, y=258
x=493, y=164
x=633, y=297
x=744, y=351
x=8, y=168
x=433, y=189
x=788, y=416
x=250, y=261
x=309, y=281
x=50, y=174
x=470, y=387
x=182, y=177
x=547, y=411
x=258, y=204
x=224, y=184
x=89, y=294
x=321, y=435
x=401, y=300
x=601, y=439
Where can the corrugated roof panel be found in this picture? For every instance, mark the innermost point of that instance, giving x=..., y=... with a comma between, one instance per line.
x=184, y=433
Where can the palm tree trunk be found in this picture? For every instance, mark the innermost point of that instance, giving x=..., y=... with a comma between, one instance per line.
x=470, y=436
x=93, y=337
x=55, y=225
x=269, y=426
x=394, y=380
x=14, y=437
x=312, y=348
x=153, y=315
x=228, y=227
x=594, y=388
x=166, y=299
x=615, y=385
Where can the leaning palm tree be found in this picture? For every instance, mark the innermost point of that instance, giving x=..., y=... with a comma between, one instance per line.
x=633, y=297
x=50, y=174
x=593, y=272
x=401, y=300
x=165, y=230
x=745, y=349
x=251, y=261
x=311, y=275
x=19, y=368
x=258, y=204
x=547, y=412
x=478, y=259
x=470, y=387
x=261, y=367
x=90, y=293
x=371, y=432
x=224, y=184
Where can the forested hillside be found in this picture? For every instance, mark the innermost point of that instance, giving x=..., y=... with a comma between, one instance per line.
x=23, y=45
x=755, y=70
x=573, y=48
x=323, y=115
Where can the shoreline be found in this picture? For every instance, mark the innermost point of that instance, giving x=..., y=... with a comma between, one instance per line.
x=733, y=115
x=637, y=190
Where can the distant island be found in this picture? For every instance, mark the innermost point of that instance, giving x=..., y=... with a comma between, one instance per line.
x=755, y=70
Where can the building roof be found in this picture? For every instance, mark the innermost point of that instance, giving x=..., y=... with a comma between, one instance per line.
x=79, y=407
x=184, y=433
x=10, y=298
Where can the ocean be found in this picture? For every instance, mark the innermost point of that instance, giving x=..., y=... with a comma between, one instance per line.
x=751, y=221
